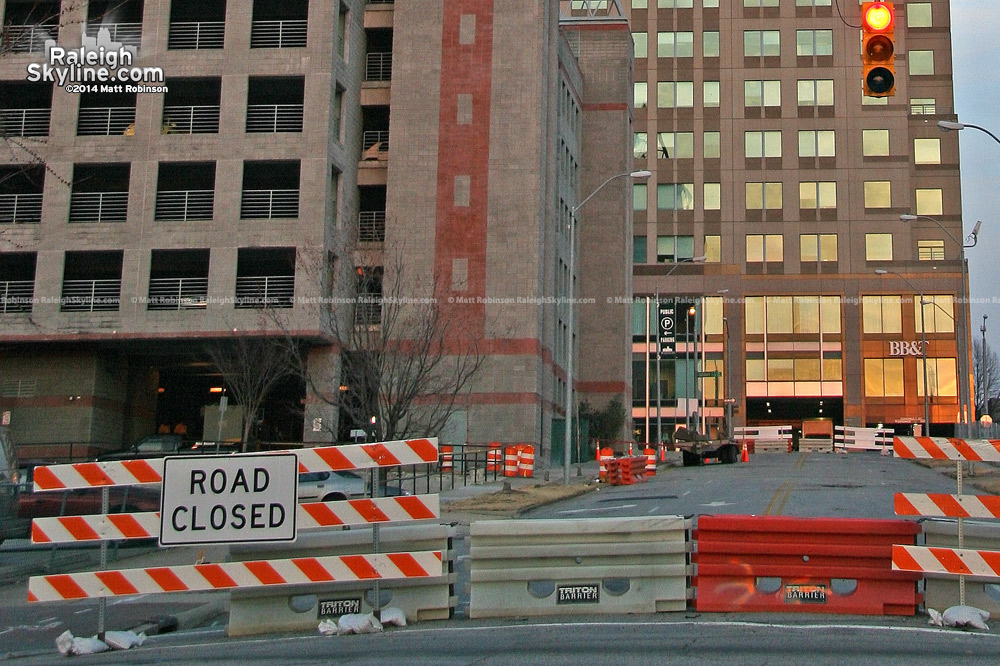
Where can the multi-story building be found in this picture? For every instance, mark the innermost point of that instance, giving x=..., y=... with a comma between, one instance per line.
x=775, y=210
x=300, y=151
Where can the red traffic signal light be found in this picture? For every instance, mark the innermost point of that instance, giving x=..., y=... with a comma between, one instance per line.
x=878, y=49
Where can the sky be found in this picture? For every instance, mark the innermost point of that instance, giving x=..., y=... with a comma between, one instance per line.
x=975, y=26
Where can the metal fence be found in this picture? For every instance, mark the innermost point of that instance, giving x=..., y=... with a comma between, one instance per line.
x=269, y=204
x=105, y=120
x=272, y=118
x=126, y=33
x=182, y=205
x=24, y=208
x=178, y=294
x=91, y=295
x=371, y=226
x=265, y=291
x=191, y=119
x=469, y=467
x=28, y=38
x=278, y=34
x=196, y=35
x=378, y=66
x=16, y=296
x=98, y=207
x=25, y=122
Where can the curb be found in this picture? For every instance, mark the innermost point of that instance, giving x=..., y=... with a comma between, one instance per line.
x=188, y=619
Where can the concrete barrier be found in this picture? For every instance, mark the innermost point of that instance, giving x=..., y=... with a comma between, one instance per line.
x=589, y=566
x=941, y=590
x=302, y=607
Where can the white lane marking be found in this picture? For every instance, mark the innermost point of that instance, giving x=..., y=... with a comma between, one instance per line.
x=718, y=503
x=653, y=510
x=600, y=508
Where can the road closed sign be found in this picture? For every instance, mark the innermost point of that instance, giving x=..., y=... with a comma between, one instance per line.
x=228, y=499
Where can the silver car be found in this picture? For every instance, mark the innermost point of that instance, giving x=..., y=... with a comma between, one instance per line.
x=330, y=486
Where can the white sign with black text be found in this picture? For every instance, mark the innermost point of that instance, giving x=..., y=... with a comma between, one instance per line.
x=228, y=499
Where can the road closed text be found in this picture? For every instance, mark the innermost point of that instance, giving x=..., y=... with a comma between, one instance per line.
x=228, y=499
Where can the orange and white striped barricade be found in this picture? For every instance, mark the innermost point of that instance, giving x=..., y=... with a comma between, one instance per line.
x=650, y=454
x=606, y=455
x=447, y=458
x=494, y=457
x=526, y=461
x=510, y=461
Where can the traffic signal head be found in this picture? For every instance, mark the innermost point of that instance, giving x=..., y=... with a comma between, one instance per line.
x=878, y=49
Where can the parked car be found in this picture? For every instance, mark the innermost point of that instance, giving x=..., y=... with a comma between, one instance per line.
x=85, y=501
x=158, y=446
x=330, y=486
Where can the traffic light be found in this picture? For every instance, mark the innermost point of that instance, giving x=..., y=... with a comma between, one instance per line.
x=878, y=50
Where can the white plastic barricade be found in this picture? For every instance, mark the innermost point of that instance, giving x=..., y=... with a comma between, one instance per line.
x=765, y=438
x=848, y=438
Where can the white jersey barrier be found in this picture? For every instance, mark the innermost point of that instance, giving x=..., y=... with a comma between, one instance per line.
x=847, y=438
x=765, y=438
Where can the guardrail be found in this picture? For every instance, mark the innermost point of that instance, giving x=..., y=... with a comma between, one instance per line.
x=98, y=207
x=184, y=205
x=278, y=34
x=378, y=66
x=178, y=294
x=25, y=122
x=90, y=296
x=28, y=38
x=265, y=291
x=16, y=296
x=371, y=226
x=105, y=120
x=273, y=118
x=203, y=119
x=269, y=204
x=126, y=33
x=23, y=208
x=196, y=35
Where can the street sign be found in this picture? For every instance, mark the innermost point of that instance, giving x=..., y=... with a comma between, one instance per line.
x=665, y=326
x=228, y=499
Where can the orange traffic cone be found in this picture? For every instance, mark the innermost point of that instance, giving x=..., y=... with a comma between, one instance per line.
x=745, y=456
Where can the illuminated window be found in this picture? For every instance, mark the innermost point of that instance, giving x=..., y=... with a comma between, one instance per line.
x=814, y=42
x=882, y=314
x=878, y=247
x=929, y=201
x=814, y=195
x=883, y=377
x=675, y=44
x=874, y=142
x=712, y=196
x=930, y=250
x=711, y=94
x=762, y=144
x=921, y=63
x=761, y=43
x=815, y=92
x=763, y=196
x=939, y=313
x=713, y=249
x=675, y=94
x=927, y=151
x=878, y=194
x=769, y=247
x=670, y=145
x=941, y=377
x=817, y=143
x=818, y=247
x=761, y=93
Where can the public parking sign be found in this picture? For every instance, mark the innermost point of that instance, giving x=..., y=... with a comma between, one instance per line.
x=228, y=499
x=666, y=325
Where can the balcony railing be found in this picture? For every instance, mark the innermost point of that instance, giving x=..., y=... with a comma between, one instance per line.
x=368, y=310
x=191, y=119
x=16, y=296
x=278, y=34
x=126, y=33
x=265, y=291
x=177, y=294
x=27, y=38
x=98, y=207
x=269, y=204
x=378, y=66
x=196, y=35
x=91, y=295
x=20, y=208
x=371, y=137
x=184, y=205
x=105, y=120
x=25, y=122
x=274, y=118
x=371, y=226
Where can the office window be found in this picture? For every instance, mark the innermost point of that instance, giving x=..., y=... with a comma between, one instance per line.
x=927, y=151
x=814, y=195
x=760, y=3
x=923, y=106
x=761, y=93
x=712, y=196
x=930, y=250
x=712, y=144
x=640, y=44
x=818, y=247
x=939, y=313
x=675, y=94
x=874, y=142
x=817, y=143
x=639, y=196
x=671, y=249
x=639, y=94
x=711, y=94
x=675, y=196
x=670, y=145
x=812, y=3
x=814, y=42
x=674, y=4
x=921, y=63
x=675, y=44
x=710, y=44
x=941, y=377
x=713, y=249
x=762, y=144
x=815, y=92
x=764, y=247
x=929, y=202
x=638, y=249
x=918, y=15
x=709, y=3
x=882, y=314
x=763, y=196
x=761, y=43
x=639, y=145
x=878, y=194
x=883, y=377
x=639, y=4
x=878, y=247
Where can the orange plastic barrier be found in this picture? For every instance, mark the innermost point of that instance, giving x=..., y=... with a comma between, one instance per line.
x=510, y=461
x=606, y=455
x=650, y=461
x=805, y=565
x=447, y=458
x=525, y=460
x=493, y=457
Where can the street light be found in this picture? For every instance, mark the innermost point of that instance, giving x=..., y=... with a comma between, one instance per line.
x=949, y=125
x=568, y=440
x=963, y=338
x=986, y=399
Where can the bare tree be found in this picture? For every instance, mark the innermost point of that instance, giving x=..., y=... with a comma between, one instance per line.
x=251, y=367
x=986, y=376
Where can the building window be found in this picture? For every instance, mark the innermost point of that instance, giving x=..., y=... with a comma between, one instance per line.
x=17, y=287
x=818, y=247
x=711, y=94
x=923, y=106
x=938, y=315
x=930, y=250
x=882, y=314
x=713, y=249
x=674, y=4
x=921, y=63
x=671, y=249
x=812, y=3
x=758, y=43
x=675, y=196
x=878, y=194
x=942, y=379
x=675, y=94
x=815, y=195
x=763, y=196
x=762, y=144
x=639, y=94
x=639, y=145
x=792, y=314
x=815, y=92
x=265, y=278
x=929, y=201
x=712, y=142
x=710, y=44
x=761, y=247
x=712, y=196
x=760, y=3
x=639, y=4
x=270, y=190
x=675, y=44
x=883, y=377
x=761, y=93
x=639, y=196
x=92, y=281
x=875, y=142
x=638, y=249
x=99, y=192
x=670, y=145
x=640, y=42
x=817, y=143
x=918, y=15
x=281, y=25
x=878, y=247
x=814, y=42
x=927, y=151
